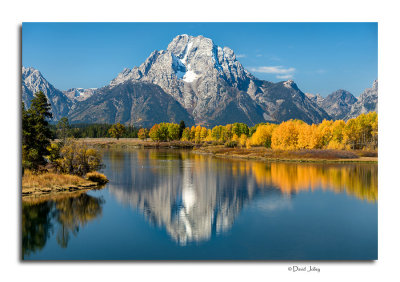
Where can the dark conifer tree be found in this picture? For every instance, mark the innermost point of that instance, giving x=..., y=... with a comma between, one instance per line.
x=36, y=132
x=182, y=127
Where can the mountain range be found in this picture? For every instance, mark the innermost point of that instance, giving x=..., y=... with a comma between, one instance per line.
x=199, y=82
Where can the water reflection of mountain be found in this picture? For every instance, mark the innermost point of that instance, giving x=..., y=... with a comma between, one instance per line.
x=63, y=215
x=189, y=198
x=195, y=196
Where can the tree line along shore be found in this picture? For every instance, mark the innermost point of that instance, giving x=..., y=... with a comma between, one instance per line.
x=360, y=133
x=63, y=149
x=294, y=140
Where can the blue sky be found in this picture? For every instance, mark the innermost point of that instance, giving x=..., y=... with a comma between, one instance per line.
x=319, y=57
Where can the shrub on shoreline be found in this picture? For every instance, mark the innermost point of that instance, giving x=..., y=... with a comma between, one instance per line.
x=74, y=157
x=97, y=177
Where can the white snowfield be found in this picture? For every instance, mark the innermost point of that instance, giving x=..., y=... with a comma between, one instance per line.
x=190, y=76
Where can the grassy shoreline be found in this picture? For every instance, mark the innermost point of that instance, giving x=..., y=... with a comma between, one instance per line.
x=136, y=143
x=255, y=153
x=279, y=156
x=49, y=184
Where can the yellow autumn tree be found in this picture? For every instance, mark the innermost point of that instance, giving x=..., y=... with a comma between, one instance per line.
x=197, y=138
x=242, y=140
x=192, y=133
x=336, y=141
x=263, y=135
x=209, y=137
x=203, y=134
x=285, y=136
x=373, y=120
x=308, y=137
x=325, y=133
x=228, y=132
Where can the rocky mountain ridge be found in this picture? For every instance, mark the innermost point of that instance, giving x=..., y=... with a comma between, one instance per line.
x=207, y=82
x=341, y=104
x=138, y=103
x=204, y=78
x=33, y=81
x=367, y=102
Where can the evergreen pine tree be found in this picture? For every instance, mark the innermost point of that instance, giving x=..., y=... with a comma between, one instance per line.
x=36, y=132
x=182, y=127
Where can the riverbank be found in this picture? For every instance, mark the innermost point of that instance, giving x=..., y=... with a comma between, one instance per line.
x=264, y=154
x=254, y=153
x=135, y=143
x=52, y=184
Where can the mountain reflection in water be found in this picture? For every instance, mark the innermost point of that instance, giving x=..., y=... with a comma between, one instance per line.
x=64, y=215
x=195, y=196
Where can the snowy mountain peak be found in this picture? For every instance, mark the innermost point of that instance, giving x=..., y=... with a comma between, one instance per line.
x=29, y=71
x=200, y=54
x=33, y=78
x=79, y=94
x=179, y=45
x=206, y=79
x=290, y=84
x=187, y=59
x=33, y=81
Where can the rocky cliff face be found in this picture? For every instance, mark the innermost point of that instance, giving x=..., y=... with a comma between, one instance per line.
x=338, y=103
x=138, y=103
x=367, y=102
x=79, y=94
x=207, y=80
x=33, y=81
x=284, y=100
x=317, y=98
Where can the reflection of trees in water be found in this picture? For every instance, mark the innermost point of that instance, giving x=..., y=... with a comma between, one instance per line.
x=195, y=196
x=65, y=215
x=36, y=227
x=359, y=180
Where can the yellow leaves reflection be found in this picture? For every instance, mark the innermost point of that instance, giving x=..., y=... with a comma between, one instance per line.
x=360, y=180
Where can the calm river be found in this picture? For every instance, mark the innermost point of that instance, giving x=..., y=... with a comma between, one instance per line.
x=176, y=205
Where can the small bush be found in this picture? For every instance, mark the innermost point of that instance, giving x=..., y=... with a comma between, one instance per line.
x=77, y=158
x=231, y=144
x=97, y=177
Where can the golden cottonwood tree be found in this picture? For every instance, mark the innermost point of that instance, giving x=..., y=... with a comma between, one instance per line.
x=285, y=136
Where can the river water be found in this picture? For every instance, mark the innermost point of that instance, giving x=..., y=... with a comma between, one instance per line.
x=177, y=205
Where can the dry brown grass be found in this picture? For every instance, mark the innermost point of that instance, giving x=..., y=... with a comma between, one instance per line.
x=262, y=153
x=320, y=154
x=49, y=180
x=39, y=186
x=367, y=153
x=124, y=143
x=97, y=177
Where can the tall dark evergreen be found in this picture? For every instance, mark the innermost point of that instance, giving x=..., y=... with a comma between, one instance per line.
x=182, y=127
x=36, y=132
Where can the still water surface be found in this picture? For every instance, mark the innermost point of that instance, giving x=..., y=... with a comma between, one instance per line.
x=167, y=204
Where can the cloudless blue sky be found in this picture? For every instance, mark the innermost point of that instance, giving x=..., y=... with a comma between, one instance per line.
x=319, y=57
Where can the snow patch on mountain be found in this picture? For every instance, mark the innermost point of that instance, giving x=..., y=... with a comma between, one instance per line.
x=190, y=76
x=188, y=48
